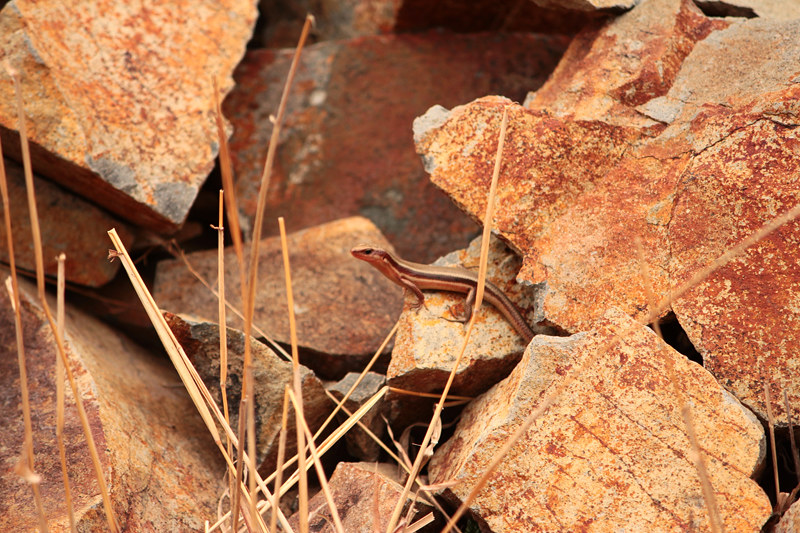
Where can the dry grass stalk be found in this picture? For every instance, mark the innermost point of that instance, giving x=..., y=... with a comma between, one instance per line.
x=248, y=290
x=226, y=170
x=297, y=402
x=197, y=390
x=37, y=246
x=487, y=228
x=60, y=389
x=276, y=489
x=696, y=453
x=26, y=468
x=11, y=282
x=223, y=344
x=460, y=399
x=298, y=389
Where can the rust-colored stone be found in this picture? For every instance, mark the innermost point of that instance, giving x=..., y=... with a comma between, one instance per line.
x=161, y=466
x=359, y=444
x=609, y=69
x=583, y=179
x=429, y=338
x=330, y=289
x=612, y=451
x=744, y=319
x=118, y=97
x=271, y=374
x=365, y=495
x=68, y=224
x=346, y=148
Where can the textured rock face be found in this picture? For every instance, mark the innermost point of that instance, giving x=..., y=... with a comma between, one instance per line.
x=663, y=127
x=613, y=450
x=346, y=148
x=364, y=494
x=162, y=470
x=271, y=375
x=118, y=97
x=330, y=287
x=67, y=223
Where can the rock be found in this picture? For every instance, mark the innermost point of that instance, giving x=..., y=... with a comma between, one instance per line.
x=330, y=290
x=608, y=70
x=105, y=115
x=68, y=224
x=346, y=150
x=365, y=495
x=271, y=374
x=429, y=339
x=612, y=451
x=790, y=521
x=359, y=18
x=704, y=165
x=586, y=5
x=163, y=470
x=359, y=443
x=774, y=9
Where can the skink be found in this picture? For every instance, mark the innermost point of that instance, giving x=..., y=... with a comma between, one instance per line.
x=416, y=277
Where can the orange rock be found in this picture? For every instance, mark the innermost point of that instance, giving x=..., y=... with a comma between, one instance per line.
x=118, y=97
x=152, y=443
x=612, y=451
x=346, y=148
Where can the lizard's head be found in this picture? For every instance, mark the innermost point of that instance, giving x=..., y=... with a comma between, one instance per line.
x=370, y=254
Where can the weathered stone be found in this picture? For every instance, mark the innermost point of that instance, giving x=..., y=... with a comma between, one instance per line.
x=632, y=59
x=162, y=468
x=430, y=338
x=711, y=173
x=346, y=149
x=365, y=495
x=549, y=165
x=359, y=444
x=744, y=319
x=790, y=521
x=271, y=374
x=774, y=9
x=118, y=97
x=67, y=223
x=586, y=5
x=612, y=451
x=330, y=289
x=347, y=19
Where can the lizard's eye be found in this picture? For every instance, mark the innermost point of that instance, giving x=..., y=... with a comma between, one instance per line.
x=367, y=251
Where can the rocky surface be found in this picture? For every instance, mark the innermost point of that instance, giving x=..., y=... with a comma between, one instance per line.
x=330, y=288
x=271, y=375
x=685, y=148
x=346, y=147
x=670, y=123
x=613, y=450
x=119, y=97
x=364, y=494
x=359, y=443
x=162, y=470
x=68, y=224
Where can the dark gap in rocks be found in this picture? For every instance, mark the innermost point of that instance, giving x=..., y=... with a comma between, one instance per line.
x=720, y=8
x=787, y=477
x=334, y=367
x=675, y=336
